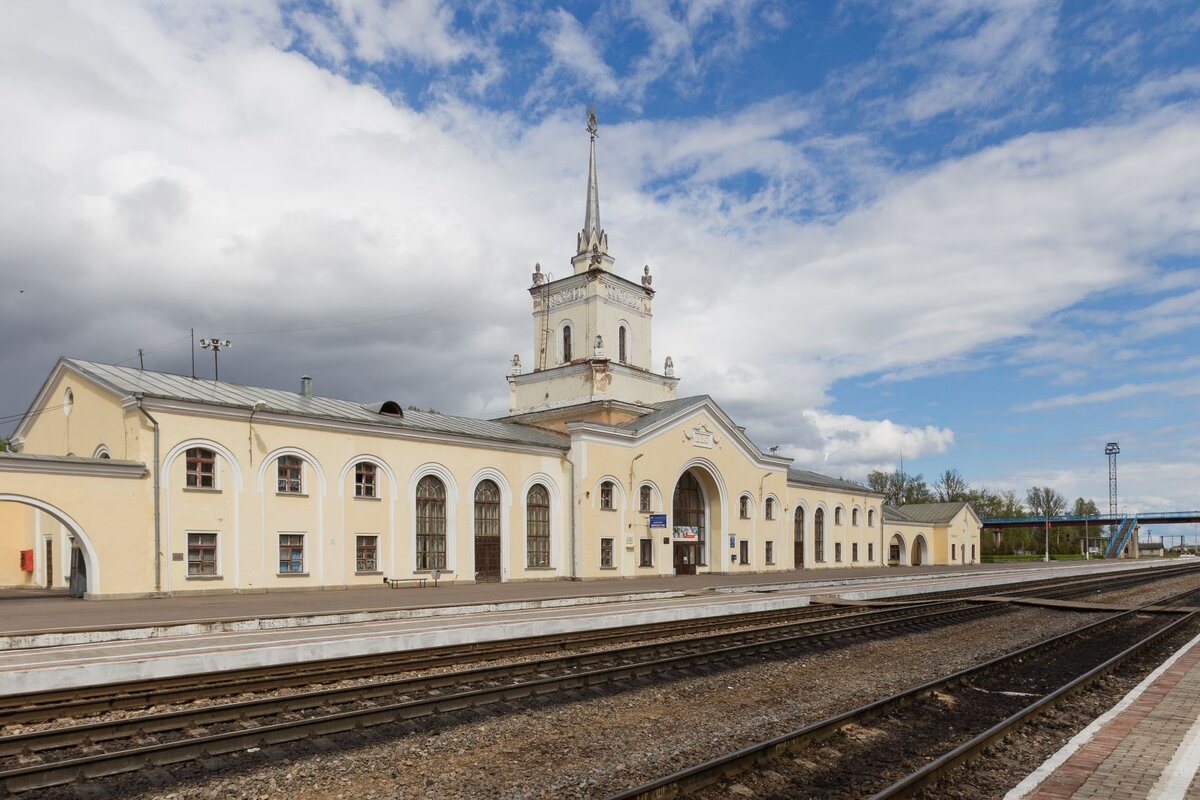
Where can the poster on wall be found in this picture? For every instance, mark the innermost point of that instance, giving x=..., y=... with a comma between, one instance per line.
x=686, y=533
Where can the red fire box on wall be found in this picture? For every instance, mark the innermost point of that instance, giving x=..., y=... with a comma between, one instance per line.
x=27, y=560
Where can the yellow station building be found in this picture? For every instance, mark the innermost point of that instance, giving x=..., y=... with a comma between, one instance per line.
x=130, y=483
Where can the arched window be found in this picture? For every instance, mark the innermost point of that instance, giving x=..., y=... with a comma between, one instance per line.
x=566, y=343
x=798, y=539
x=621, y=351
x=537, y=526
x=744, y=507
x=645, y=499
x=606, y=495
x=854, y=516
x=770, y=508
x=487, y=509
x=871, y=518
x=201, y=465
x=290, y=475
x=364, y=480
x=431, y=523
x=837, y=516
x=819, y=535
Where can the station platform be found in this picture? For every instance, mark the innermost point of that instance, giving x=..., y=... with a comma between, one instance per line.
x=127, y=640
x=1146, y=746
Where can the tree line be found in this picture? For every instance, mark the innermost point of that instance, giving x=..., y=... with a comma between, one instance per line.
x=901, y=488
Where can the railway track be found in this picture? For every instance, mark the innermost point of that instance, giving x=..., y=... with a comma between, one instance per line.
x=134, y=695
x=65, y=754
x=898, y=745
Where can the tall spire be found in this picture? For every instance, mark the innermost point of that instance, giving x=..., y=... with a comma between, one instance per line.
x=592, y=237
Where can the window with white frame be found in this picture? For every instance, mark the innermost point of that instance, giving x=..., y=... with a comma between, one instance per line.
x=366, y=552
x=744, y=551
x=646, y=553
x=365, y=475
x=770, y=552
x=854, y=552
x=870, y=551
x=837, y=551
x=854, y=516
x=744, y=507
x=201, y=554
x=769, y=508
x=290, y=471
x=837, y=516
x=606, y=552
x=291, y=553
x=645, y=499
x=431, y=523
x=871, y=518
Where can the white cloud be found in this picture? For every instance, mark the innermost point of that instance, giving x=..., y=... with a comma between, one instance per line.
x=1184, y=387
x=575, y=53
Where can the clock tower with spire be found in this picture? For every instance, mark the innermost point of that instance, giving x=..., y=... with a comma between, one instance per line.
x=591, y=335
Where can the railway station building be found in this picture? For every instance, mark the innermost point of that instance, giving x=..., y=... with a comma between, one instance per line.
x=128, y=482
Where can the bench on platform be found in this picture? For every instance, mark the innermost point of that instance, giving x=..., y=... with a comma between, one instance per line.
x=399, y=583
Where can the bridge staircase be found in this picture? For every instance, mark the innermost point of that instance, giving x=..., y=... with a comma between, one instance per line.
x=1116, y=545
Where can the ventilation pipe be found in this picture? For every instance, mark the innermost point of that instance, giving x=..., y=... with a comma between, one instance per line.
x=157, y=514
x=306, y=386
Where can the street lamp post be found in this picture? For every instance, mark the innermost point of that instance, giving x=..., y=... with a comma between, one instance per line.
x=216, y=345
x=1047, y=558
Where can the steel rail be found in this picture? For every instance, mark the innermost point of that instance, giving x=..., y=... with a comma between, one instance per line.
x=83, y=701
x=975, y=746
x=748, y=758
x=35, y=776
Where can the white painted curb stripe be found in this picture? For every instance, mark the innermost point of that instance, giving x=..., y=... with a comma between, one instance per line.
x=1177, y=777
x=1035, y=778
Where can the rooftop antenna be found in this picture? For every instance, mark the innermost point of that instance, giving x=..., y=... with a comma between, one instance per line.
x=216, y=345
x=141, y=360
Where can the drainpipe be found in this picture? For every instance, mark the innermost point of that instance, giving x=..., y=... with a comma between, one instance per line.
x=157, y=515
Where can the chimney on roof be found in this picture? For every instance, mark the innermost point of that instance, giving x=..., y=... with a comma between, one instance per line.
x=306, y=386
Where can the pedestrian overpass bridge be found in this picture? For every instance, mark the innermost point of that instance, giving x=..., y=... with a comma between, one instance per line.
x=1125, y=524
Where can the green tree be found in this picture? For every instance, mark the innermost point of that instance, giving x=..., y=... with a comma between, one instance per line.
x=899, y=488
x=951, y=487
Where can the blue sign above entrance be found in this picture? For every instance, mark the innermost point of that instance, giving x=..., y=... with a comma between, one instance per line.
x=658, y=520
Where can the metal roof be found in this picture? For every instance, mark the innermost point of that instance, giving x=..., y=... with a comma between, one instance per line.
x=165, y=385
x=817, y=479
x=662, y=411
x=930, y=513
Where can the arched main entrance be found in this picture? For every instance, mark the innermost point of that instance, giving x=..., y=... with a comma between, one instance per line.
x=63, y=555
x=798, y=538
x=689, y=517
x=896, y=551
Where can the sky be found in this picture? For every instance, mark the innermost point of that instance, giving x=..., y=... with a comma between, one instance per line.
x=958, y=234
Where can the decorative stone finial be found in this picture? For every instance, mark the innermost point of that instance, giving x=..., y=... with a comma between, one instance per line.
x=669, y=368
x=595, y=262
x=646, y=278
x=538, y=277
x=599, y=349
x=516, y=364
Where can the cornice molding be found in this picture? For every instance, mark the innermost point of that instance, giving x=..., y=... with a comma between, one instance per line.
x=70, y=465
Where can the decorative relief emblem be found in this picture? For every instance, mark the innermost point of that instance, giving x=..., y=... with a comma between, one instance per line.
x=701, y=437
x=565, y=296
x=624, y=298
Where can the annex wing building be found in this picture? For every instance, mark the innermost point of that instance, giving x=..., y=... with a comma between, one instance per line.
x=129, y=482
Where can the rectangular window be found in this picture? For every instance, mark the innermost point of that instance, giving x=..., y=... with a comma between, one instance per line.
x=743, y=508
x=202, y=554
x=201, y=468
x=870, y=552
x=894, y=552
x=606, y=495
x=291, y=553
x=289, y=475
x=854, y=552
x=837, y=551
x=364, y=479
x=645, y=499
x=744, y=551
x=952, y=552
x=366, y=553
x=972, y=552
x=606, y=552
x=770, y=552
x=647, y=553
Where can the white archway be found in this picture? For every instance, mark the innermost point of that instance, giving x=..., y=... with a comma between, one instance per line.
x=86, y=546
x=920, y=551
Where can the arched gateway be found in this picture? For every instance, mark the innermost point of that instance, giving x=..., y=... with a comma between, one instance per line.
x=689, y=516
x=79, y=565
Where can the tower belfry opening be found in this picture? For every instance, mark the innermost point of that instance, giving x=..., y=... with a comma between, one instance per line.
x=573, y=377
